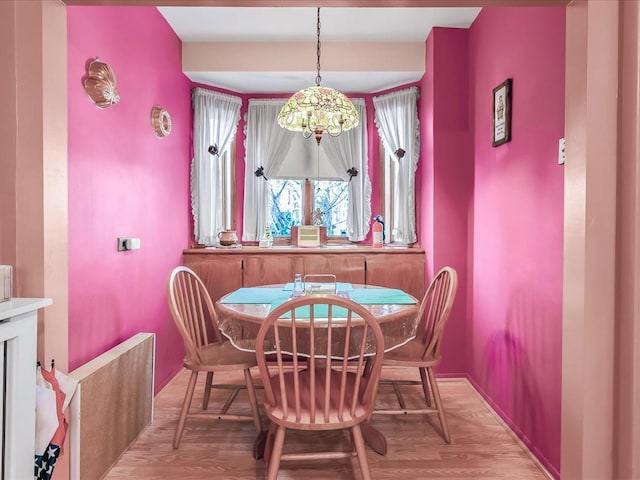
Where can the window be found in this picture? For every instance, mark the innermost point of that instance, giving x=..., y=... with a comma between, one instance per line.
x=330, y=198
x=399, y=128
x=287, y=156
x=287, y=205
x=290, y=206
x=307, y=185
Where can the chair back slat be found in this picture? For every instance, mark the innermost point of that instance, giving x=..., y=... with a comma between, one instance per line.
x=312, y=363
x=327, y=364
x=296, y=378
x=360, y=370
x=336, y=335
x=192, y=311
x=435, y=309
x=345, y=364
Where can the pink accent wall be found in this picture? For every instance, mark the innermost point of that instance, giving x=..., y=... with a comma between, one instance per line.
x=124, y=181
x=516, y=297
x=444, y=179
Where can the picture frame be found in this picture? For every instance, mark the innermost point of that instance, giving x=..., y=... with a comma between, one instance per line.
x=502, y=113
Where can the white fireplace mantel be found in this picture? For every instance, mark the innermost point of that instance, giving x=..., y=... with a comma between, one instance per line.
x=18, y=339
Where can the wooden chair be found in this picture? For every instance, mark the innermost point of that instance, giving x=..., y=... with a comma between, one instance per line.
x=331, y=390
x=206, y=349
x=423, y=352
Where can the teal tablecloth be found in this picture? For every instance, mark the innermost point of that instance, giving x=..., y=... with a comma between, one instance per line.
x=380, y=296
x=277, y=296
x=258, y=295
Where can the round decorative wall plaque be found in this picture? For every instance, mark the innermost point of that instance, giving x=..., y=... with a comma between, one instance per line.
x=100, y=84
x=160, y=121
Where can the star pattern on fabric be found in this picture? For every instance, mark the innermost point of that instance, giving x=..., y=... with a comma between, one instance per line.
x=44, y=463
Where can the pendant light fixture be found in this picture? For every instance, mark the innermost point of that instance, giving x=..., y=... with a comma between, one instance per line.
x=315, y=110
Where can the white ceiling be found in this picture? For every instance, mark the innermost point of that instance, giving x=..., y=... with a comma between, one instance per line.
x=283, y=24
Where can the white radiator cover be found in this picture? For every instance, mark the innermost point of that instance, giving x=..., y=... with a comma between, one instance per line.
x=18, y=344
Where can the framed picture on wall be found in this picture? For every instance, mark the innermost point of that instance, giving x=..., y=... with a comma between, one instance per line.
x=502, y=113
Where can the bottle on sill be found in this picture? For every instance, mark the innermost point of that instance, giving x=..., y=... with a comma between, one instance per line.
x=378, y=232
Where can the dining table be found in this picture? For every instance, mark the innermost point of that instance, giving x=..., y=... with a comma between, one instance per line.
x=241, y=312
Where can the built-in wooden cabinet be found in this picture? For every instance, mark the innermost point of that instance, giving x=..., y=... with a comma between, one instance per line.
x=396, y=271
x=225, y=270
x=267, y=269
x=347, y=268
x=221, y=275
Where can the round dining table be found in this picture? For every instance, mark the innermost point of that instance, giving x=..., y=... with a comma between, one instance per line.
x=241, y=312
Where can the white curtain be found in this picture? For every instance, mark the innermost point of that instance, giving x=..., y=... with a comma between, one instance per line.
x=397, y=122
x=215, y=120
x=347, y=151
x=266, y=145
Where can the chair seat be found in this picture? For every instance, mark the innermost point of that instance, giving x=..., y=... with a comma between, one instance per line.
x=222, y=356
x=410, y=355
x=337, y=416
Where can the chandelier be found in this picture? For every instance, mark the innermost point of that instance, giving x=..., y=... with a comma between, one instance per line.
x=315, y=110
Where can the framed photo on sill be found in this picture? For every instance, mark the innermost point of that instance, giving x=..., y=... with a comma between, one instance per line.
x=502, y=113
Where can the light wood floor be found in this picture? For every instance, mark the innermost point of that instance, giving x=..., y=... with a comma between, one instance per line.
x=481, y=447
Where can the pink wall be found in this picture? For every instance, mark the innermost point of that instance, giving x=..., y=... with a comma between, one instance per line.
x=444, y=184
x=124, y=181
x=516, y=272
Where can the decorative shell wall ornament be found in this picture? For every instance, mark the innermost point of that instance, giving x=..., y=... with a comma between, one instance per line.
x=160, y=121
x=100, y=84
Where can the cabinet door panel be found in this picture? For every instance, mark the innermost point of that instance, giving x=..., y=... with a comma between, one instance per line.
x=220, y=275
x=346, y=268
x=405, y=272
x=270, y=269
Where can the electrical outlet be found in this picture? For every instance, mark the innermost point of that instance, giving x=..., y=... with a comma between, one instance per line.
x=128, y=243
x=122, y=244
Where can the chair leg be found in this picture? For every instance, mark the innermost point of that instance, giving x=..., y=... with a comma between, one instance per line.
x=268, y=446
x=253, y=401
x=361, y=451
x=186, y=405
x=425, y=385
x=207, y=391
x=439, y=406
x=276, y=453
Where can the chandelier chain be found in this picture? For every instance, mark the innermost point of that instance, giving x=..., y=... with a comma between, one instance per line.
x=315, y=110
x=318, y=77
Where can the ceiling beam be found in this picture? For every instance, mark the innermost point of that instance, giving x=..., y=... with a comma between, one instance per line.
x=300, y=56
x=323, y=3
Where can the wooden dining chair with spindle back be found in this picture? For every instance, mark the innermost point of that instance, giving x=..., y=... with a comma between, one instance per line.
x=423, y=352
x=332, y=389
x=206, y=350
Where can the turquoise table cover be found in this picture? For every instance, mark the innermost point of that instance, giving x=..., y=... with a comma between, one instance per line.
x=380, y=296
x=277, y=296
x=258, y=295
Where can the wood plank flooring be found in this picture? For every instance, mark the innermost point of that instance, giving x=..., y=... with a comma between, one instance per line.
x=481, y=447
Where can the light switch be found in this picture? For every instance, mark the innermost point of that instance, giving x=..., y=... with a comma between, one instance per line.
x=128, y=243
x=561, y=155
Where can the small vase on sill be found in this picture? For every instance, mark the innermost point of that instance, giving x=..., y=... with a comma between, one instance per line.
x=267, y=238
